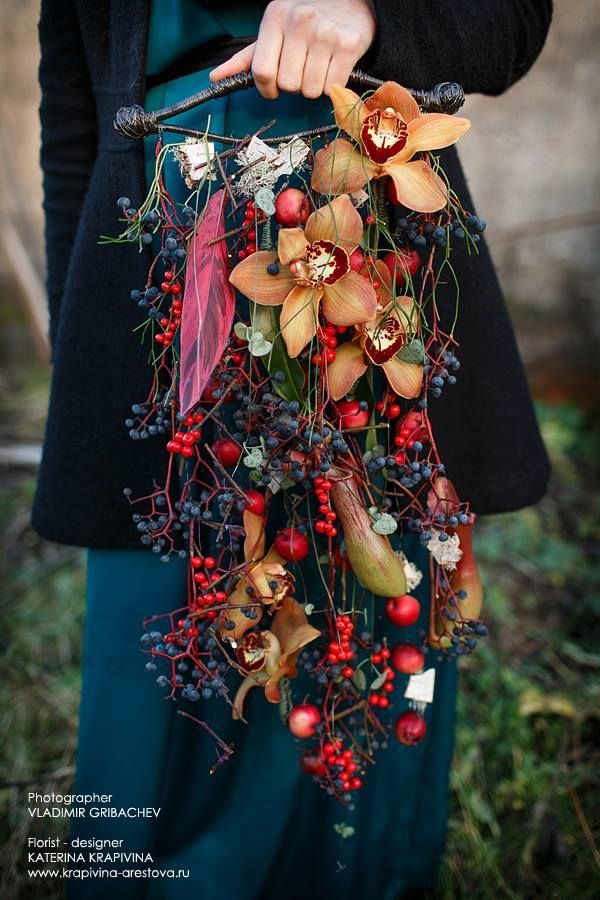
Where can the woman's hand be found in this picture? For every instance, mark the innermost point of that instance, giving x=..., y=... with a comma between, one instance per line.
x=305, y=46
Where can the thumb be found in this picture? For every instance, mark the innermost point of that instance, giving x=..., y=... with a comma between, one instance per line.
x=239, y=62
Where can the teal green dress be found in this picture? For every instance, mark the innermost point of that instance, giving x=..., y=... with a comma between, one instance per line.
x=259, y=828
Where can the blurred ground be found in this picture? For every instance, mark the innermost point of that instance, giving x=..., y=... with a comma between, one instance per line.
x=525, y=819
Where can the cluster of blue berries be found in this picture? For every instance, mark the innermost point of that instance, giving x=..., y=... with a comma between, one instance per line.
x=191, y=682
x=418, y=233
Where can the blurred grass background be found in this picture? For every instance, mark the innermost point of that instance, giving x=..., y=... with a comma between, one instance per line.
x=525, y=806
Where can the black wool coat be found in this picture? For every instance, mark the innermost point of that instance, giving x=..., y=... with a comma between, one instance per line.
x=93, y=62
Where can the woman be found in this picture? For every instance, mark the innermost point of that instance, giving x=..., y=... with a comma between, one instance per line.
x=257, y=829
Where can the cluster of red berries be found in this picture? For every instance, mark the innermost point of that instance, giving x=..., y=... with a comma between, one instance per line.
x=205, y=597
x=380, y=698
x=325, y=524
x=340, y=651
x=332, y=756
x=389, y=406
x=170, y=323
x=329, y=341
x=183, y=441
x=409, y=430
x=248, y=232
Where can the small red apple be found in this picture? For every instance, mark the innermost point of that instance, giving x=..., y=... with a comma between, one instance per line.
x=401, y=263
x=302, y=720
x=255, y=502
x=209, y=392
x=312, y=764
x=357, y=259
x=292, y=207
x=403, y=611
x=351, y=415
x=291, y=544
x=407, y=658
x=228, y=452
x=410, y=728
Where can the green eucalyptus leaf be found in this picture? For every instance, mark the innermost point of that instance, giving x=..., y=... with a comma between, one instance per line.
x=344, y=830
x=412, y=352
x=359, y=679
x=385, y=524
x=378, y=682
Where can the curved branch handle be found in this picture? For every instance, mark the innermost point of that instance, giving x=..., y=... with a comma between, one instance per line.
x=134, y=122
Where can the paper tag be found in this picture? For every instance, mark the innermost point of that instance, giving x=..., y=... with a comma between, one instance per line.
x=194, y=157
x=290, y=156
x=257, y=149
x=420, y=687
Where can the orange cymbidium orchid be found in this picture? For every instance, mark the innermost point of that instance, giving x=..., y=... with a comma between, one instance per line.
x=265, y=574
x=269, y=656
x=314, y=271
x=377, y=343
x=389, y=130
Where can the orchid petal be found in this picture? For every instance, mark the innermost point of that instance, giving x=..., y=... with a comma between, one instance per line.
x=341, y=168
x=254, y=543
x=250, y=276
x=291, y=244
x=432, y=132
x=351, y=300
x=246, y=685
x=234, y=615
x=398, y=98
x=298, y=320
x=290, y=626
x=260, y=577
x=406, y=379
x=406, y=313
x=345, y=370
x=417, y=185
x=338, y=222
x=349, y=110
x=291, y=629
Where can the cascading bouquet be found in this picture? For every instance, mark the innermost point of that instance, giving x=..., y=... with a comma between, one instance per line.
x=295, y=416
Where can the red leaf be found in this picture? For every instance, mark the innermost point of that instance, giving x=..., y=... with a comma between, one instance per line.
x=208, y=304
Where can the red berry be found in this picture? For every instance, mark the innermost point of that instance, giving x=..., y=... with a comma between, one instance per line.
x=410, y=728
x=407, y=658
x=302, y=720
x=291, y=544
x=291, y=208
x=403, y=611
x=228, y=452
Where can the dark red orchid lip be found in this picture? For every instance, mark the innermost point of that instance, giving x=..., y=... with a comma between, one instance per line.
x=383, y=135
x=252, y=653
x=384, y=341
x=327, y=262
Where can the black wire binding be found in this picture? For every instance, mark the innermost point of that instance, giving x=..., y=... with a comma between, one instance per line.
x=133, y=122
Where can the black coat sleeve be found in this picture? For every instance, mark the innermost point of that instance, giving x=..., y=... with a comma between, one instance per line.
x=69, y=139
x=485, y=45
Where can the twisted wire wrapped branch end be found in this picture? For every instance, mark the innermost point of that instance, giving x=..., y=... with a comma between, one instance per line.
x=133, y=122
